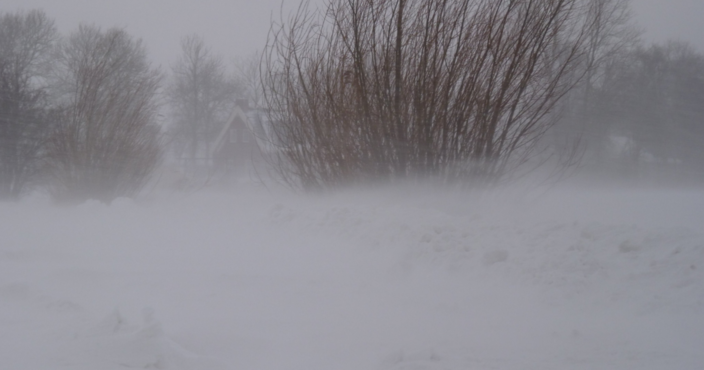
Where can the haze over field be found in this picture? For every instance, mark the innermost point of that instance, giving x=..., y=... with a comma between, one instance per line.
x=528, y=196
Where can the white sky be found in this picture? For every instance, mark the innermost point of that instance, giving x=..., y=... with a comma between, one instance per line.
x=239, y=27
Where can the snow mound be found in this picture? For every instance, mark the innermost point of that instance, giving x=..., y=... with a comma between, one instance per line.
x=115, y=342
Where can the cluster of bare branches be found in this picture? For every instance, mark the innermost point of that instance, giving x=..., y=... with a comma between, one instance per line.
x=385, y=89
x=108, y=142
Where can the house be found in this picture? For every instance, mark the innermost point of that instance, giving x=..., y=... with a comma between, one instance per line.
x=236, y=145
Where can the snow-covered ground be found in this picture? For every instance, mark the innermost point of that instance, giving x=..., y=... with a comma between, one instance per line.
x=386, y=279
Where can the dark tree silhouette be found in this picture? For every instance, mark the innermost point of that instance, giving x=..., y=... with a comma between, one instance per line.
x=108, y=142
x=25, y=42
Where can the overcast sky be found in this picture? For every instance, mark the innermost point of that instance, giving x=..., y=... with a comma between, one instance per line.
x=239, y=27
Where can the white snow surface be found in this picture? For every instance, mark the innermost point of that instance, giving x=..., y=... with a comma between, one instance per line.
x=384, y=279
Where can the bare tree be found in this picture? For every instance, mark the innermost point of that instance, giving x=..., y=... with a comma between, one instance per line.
x=657, y=98
x=248, y=80
x=108, y=142
x=25, y=42
x=201, y=96
x=460, y=90
x=585, y=110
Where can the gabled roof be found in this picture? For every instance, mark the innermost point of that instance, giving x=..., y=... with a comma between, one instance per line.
x=222, y=136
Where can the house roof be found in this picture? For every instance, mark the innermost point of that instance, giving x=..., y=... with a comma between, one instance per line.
x=237, y=113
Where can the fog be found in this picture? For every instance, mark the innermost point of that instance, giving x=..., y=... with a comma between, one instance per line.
x=239, y=27
x=148, y=221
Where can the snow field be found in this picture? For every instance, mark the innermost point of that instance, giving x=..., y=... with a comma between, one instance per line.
x=378, y=279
